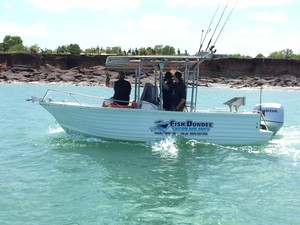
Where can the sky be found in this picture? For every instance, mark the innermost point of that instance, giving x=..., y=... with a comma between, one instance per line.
x=246, y=27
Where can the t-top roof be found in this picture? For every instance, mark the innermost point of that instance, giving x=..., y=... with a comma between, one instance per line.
x=156, y=61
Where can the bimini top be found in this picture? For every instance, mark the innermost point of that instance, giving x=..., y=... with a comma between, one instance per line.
x=150, y=62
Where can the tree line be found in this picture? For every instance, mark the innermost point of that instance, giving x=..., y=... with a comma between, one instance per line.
x=14, y=44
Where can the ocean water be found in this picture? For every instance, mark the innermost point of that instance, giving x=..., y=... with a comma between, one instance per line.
x=50, y=177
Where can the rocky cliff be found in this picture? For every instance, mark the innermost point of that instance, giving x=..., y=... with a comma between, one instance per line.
x=233, y=67
x=61, y=61
x=89, y=70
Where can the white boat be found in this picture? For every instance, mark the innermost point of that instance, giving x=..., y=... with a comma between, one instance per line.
x=146, y=121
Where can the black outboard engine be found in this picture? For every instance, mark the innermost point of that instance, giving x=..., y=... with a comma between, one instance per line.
x=272, y=116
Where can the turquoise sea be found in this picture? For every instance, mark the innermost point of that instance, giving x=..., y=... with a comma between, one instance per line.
x=50, y=177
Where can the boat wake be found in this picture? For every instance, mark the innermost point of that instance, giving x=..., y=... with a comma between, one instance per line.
x=287, y=144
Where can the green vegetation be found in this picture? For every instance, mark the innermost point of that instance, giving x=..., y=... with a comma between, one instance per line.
x=283, y=54
x=14, y=44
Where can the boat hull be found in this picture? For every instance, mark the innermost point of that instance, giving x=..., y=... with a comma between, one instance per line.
x=149, y=125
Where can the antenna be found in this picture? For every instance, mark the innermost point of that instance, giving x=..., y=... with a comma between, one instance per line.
x=216, y=27
x=208, y=29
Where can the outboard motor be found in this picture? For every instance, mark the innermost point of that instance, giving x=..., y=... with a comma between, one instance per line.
x=273, y=116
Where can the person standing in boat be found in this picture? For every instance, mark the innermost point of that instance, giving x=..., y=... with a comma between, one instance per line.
x=179, y=92
x=121, y=87
x=168, y=91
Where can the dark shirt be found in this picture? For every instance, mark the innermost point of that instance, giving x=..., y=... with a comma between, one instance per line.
x=180, y=92
x=168, y=96
x=122, y=92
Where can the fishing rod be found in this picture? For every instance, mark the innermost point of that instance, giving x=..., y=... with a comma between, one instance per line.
x=216, y=27
x=208, y=29
x=224, y=24
x=201, y=41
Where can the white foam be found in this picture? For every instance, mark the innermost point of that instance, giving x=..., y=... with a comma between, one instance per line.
x=166, y=147
x=55, y=130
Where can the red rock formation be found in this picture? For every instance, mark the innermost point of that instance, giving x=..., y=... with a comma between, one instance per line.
x=232, y=67
x=89, y=70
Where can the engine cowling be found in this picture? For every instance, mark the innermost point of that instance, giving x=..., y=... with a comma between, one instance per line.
x=273, y=116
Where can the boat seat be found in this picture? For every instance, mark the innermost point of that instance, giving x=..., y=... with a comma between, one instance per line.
x=235, y=103
x=150, y=94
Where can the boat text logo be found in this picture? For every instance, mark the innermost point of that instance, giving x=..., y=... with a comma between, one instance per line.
x=188, y=127
x=268, y=111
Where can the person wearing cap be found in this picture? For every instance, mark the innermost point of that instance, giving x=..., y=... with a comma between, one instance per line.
x=168, y=91
x=179, y=92
x=121, y=87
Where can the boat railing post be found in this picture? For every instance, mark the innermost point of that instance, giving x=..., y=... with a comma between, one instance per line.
x=197, y=72
x=71, y=94
x=193, y=100
x=46, y=94
x=161, y=67
x=139, y=80
x=186, y=79
x=135, y=84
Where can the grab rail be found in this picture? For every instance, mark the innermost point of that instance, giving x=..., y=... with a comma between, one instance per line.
x=71, y=94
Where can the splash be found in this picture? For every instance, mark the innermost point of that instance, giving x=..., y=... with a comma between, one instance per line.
x=166, y=147
x=55, y=130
